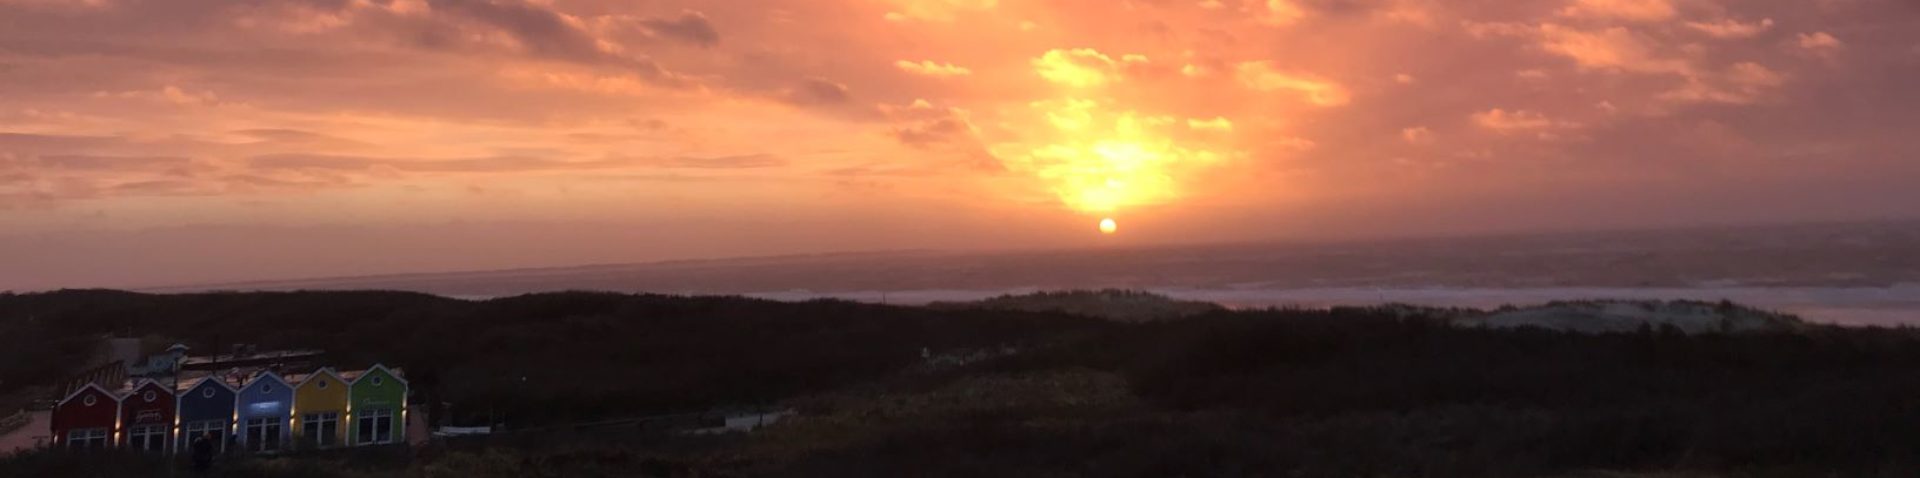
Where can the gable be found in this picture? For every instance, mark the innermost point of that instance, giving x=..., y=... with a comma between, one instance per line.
x=90, y=406
x=152, y=386
x=208, y=389
x=81, y=396
x=383, y=373
x=266, y=384
x=208, y=400
x=378, y=387
x=267, y=396
x=147, y=404
x=150, y=392
x=324, y=381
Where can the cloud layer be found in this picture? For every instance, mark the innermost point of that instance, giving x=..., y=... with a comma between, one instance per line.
x=127, y=115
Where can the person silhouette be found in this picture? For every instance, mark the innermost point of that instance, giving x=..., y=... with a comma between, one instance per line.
x=203, y=452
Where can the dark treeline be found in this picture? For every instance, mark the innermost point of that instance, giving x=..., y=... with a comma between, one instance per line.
x=1346, y=392
x=533, y=359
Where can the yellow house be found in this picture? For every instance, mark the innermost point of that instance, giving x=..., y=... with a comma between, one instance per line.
x=320, y=409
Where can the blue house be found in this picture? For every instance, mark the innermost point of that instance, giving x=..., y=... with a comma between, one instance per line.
x=206, y=407
x=264, y=406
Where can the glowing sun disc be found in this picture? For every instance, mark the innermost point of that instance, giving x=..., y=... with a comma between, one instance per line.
x=1107, y=226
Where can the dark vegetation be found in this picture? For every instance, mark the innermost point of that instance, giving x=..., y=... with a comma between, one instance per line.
x=538, y=359
x=1345, y=392
x=1112, y=304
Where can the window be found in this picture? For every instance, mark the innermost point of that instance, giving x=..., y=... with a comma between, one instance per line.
x=89, y=400
x=147, y=437
x=322, y=384
x=87, y=438
x=194, y=430
x=149, y=396
x=376, y=426
x=206, y=392
x=263, y=434
x=376, y=380
x=322, y=429
x=266, y=388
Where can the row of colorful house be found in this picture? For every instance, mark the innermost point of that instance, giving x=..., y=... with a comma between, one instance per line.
x=253, y=410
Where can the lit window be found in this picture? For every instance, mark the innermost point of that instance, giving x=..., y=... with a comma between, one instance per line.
x=151, y=438
x=214, y=430
x=375, y=426
x=322, y=429
x=263, y=434
x=87, y=438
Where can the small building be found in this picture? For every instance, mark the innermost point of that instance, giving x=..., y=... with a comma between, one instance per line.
x=205, y=407
x=146, y=416
x=263, y=408
x=377, y=407
x=320, y=409
x=86, y=418
x=161, y=365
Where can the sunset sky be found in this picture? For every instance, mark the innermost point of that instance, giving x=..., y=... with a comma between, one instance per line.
x=153, y=142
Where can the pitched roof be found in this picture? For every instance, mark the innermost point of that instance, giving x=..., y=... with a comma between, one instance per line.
x=134, y=386
x=263, y=375
x=83, y=388
x=395, y=373
x=185, y=384
x=316, y=373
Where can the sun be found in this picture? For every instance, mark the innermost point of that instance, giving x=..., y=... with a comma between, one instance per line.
x=1107, y=226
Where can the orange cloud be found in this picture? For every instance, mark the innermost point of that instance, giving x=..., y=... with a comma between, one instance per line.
x=771, y=105
x=1731, y=29
x=170, y=93
x=1096, y=160
x=936, y=10
x=1419, y=135
x=1279, y=12
x=1215, y=124
x=1264, y=76
x=1819, y=43
x=1081, y=67
x=1632, y=10
x=1743, y=83
x=1517, y=121
x=925, y=126
x=1615, y=48
x=933, y=69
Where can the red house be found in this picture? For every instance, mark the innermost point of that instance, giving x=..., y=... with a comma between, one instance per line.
x=86, y=419
x=146, y=416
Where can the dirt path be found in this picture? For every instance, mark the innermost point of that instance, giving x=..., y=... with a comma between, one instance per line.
x=34, y=434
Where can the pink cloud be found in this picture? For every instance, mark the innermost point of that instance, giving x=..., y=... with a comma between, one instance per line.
x=1633, y=10
x=156, y=113
x=1731, y=29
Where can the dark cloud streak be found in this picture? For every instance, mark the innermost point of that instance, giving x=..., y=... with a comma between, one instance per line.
x=691, y=28
x=503, y=163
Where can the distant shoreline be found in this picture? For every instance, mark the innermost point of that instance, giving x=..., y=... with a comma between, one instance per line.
x=1858, y=306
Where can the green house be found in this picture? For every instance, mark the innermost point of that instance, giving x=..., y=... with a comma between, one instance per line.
x=377, y=407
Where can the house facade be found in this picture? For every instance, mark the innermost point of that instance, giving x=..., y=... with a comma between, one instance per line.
x=205, y=407
x=86, y=418
x=238, y=402
x=263, y=409
x=146, y=416
x=377, y=407
x=320, y=410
